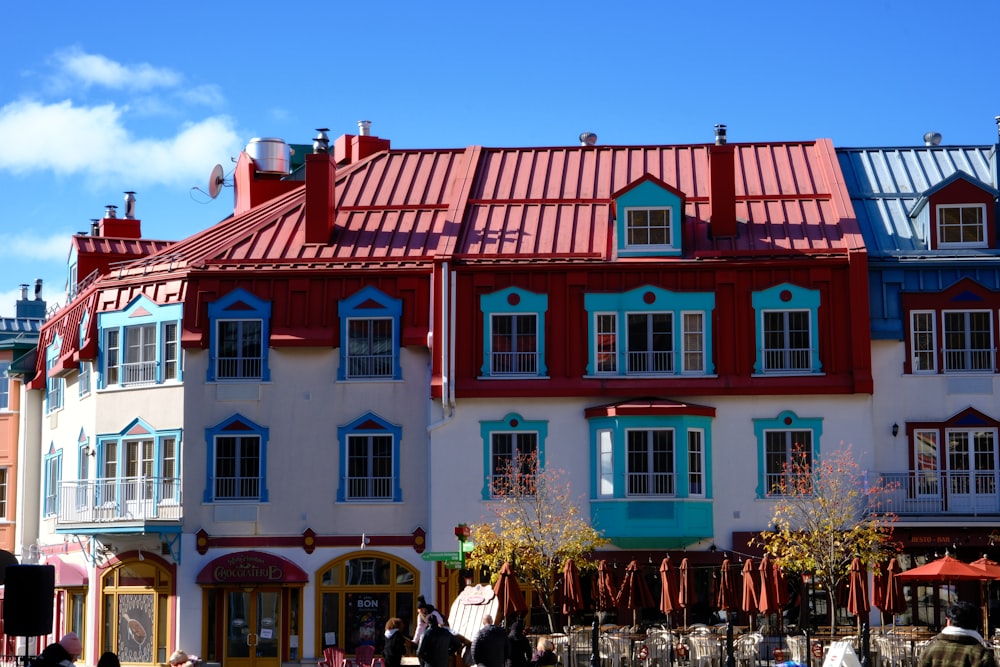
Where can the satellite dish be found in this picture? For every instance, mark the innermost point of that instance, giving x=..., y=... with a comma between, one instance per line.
x=215, y=181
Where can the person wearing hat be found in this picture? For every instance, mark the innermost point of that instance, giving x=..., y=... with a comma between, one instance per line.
x=62, y=653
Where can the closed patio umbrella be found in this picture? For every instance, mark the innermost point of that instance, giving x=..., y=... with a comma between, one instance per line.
x=749, y=604
x=767, y=597
x=685, y=589
x=634, y=593
x=726, y=600
x=604, y=588
x=668, y=589
x=510, y=599
x=878, y=589
x=572, y=594
x=857, y=587
x=893, y=601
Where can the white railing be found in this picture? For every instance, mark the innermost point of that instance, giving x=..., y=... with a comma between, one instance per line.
x=941, y=492
x=651, y=362
x=138, y=373
x=369, y=365
x=514, y=363
x=650, y=484
x=125, y=500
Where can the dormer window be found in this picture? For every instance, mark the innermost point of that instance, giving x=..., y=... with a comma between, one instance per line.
x=649, y=228
x=961, y=226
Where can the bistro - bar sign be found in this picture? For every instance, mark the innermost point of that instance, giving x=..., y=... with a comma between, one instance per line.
x=250, y=567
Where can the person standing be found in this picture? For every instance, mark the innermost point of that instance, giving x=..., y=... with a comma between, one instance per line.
x=437, y=645
x=520, y=645
x=426, y=610
x=395, y=643
x=959, y=643
x=544, y=653
x=62, y=653
x=490, y=647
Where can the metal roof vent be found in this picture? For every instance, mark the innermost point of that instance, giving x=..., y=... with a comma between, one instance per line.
x=110, y=211
x=588, y=139
x=932, y=139
x=271, y=156
x=321, y=144
x=364, y=128
x=130, y=204
x=720, y=134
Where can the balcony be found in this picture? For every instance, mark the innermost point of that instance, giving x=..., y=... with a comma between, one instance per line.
x=935, y=492
x=118, y=503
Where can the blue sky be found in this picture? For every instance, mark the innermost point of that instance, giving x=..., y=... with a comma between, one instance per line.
x=99, y=98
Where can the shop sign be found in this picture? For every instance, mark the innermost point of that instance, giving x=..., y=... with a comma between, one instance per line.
x=250, y=567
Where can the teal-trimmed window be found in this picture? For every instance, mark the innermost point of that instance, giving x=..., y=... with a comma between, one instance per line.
x=514, y=344
x=650, y=331
x=648, y=215
x=369, y=460
x=83, y=380
x=54, y=384
x=787, y=327
x=240, y=325
x=513, y=452
x=369, y=335
x=779, y=441
x=237, y=461
x=4, y=386
x=650, y=456
x=51, y=477
x=140, y=344
x=138, y=463
x=83, y=457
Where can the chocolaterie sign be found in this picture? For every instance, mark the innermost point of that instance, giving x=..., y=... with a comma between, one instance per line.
x=251, y=567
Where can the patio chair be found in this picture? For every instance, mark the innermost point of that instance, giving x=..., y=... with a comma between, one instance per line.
x=363, y=655
x=746, y=649
x=704, y=650
x=333, y=656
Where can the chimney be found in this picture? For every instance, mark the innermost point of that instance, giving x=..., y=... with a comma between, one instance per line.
x=588, y=139
x=95, y=227
x=130, y=205
x=320, y=191
x=26, y=308
x=261, y=173
x=119, y=228
x=349, y=149
x=722, y=185
x=364, y=128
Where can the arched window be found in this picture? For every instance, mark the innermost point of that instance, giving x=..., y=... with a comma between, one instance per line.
x=135, y=597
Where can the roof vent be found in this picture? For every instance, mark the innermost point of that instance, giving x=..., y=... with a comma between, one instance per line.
x=364, y=128
x=95, y=227
x=932, y=139
x=997, y=119
x=588, y=139
x=321, y=144
x=720, y=134
x=130, y=204
x=270, y=156
x=110, y=211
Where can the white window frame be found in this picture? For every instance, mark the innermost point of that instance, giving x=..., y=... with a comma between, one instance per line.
x=362, y=358
x=786, y=352
x=237, y=365
x=237, y=481
x=656, y=482
x=774, y=466
x=4, y=387
x=927, y=474
x=4, y=488
x=693, y=342
x=606, y=462
x=606, y=337
x=696, y=462
x=962, y=225
x=923, y=341
x=634, y=229
x=368, y=454
x=502, y=464
x=652, y=355
x=967, y=354
x=514, y=361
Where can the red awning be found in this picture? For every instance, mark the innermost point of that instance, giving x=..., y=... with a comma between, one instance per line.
x=241, y=567
x=68, y=574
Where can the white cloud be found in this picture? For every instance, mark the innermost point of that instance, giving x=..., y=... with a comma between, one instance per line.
x=207, y=95
x=93, y=142
x=28, y=246
x=96, y=70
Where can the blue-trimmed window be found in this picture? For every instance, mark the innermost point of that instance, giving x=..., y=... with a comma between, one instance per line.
x=513, y=452
x=83, y=455
x=650, y=331
x=140, y=344
x=237, y=461
x=4, y=386
x=240, y=325
x=138, y=463
x=83, y=380
x=650, y=456
x=369, y=334
x=782, y=441
x=648, y=215
x=52, y=476
x=369, y=460
x=514, y=344
x=54, y=384
x=787, y=326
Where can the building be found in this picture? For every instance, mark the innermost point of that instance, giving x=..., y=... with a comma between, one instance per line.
x=252, y=436
x=929, y=218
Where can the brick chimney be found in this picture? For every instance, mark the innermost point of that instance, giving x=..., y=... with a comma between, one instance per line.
x=722, y=185
x=114, y=227
x=321, y=174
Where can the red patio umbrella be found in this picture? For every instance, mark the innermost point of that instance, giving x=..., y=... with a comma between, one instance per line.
x=878, y=589
x=726, y=600
x=604, y=588
x=572, y=594
x=749, y=591
x=857, y=585
x=685, y=589
x=668, y=588
x=510, y=599
x=634, y=593
x=893, y=601
x=945, y=569
x=993, y=569
x=767, y=597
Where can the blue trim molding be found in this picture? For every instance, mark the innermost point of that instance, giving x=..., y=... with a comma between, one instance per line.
x=369, y=424
x=239, y=305
x=786, y=421
x=513, y=301
x=235, y=426
x=512, y=423
x=783, y=298
x=370, y=303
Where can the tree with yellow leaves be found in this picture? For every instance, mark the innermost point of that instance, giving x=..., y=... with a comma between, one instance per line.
x=536, y=525
x=826, y=513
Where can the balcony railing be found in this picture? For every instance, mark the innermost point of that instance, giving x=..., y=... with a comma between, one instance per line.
x=119, y=500
x=914, y=492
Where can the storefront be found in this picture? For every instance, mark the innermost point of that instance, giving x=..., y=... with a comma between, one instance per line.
x=253, y=603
